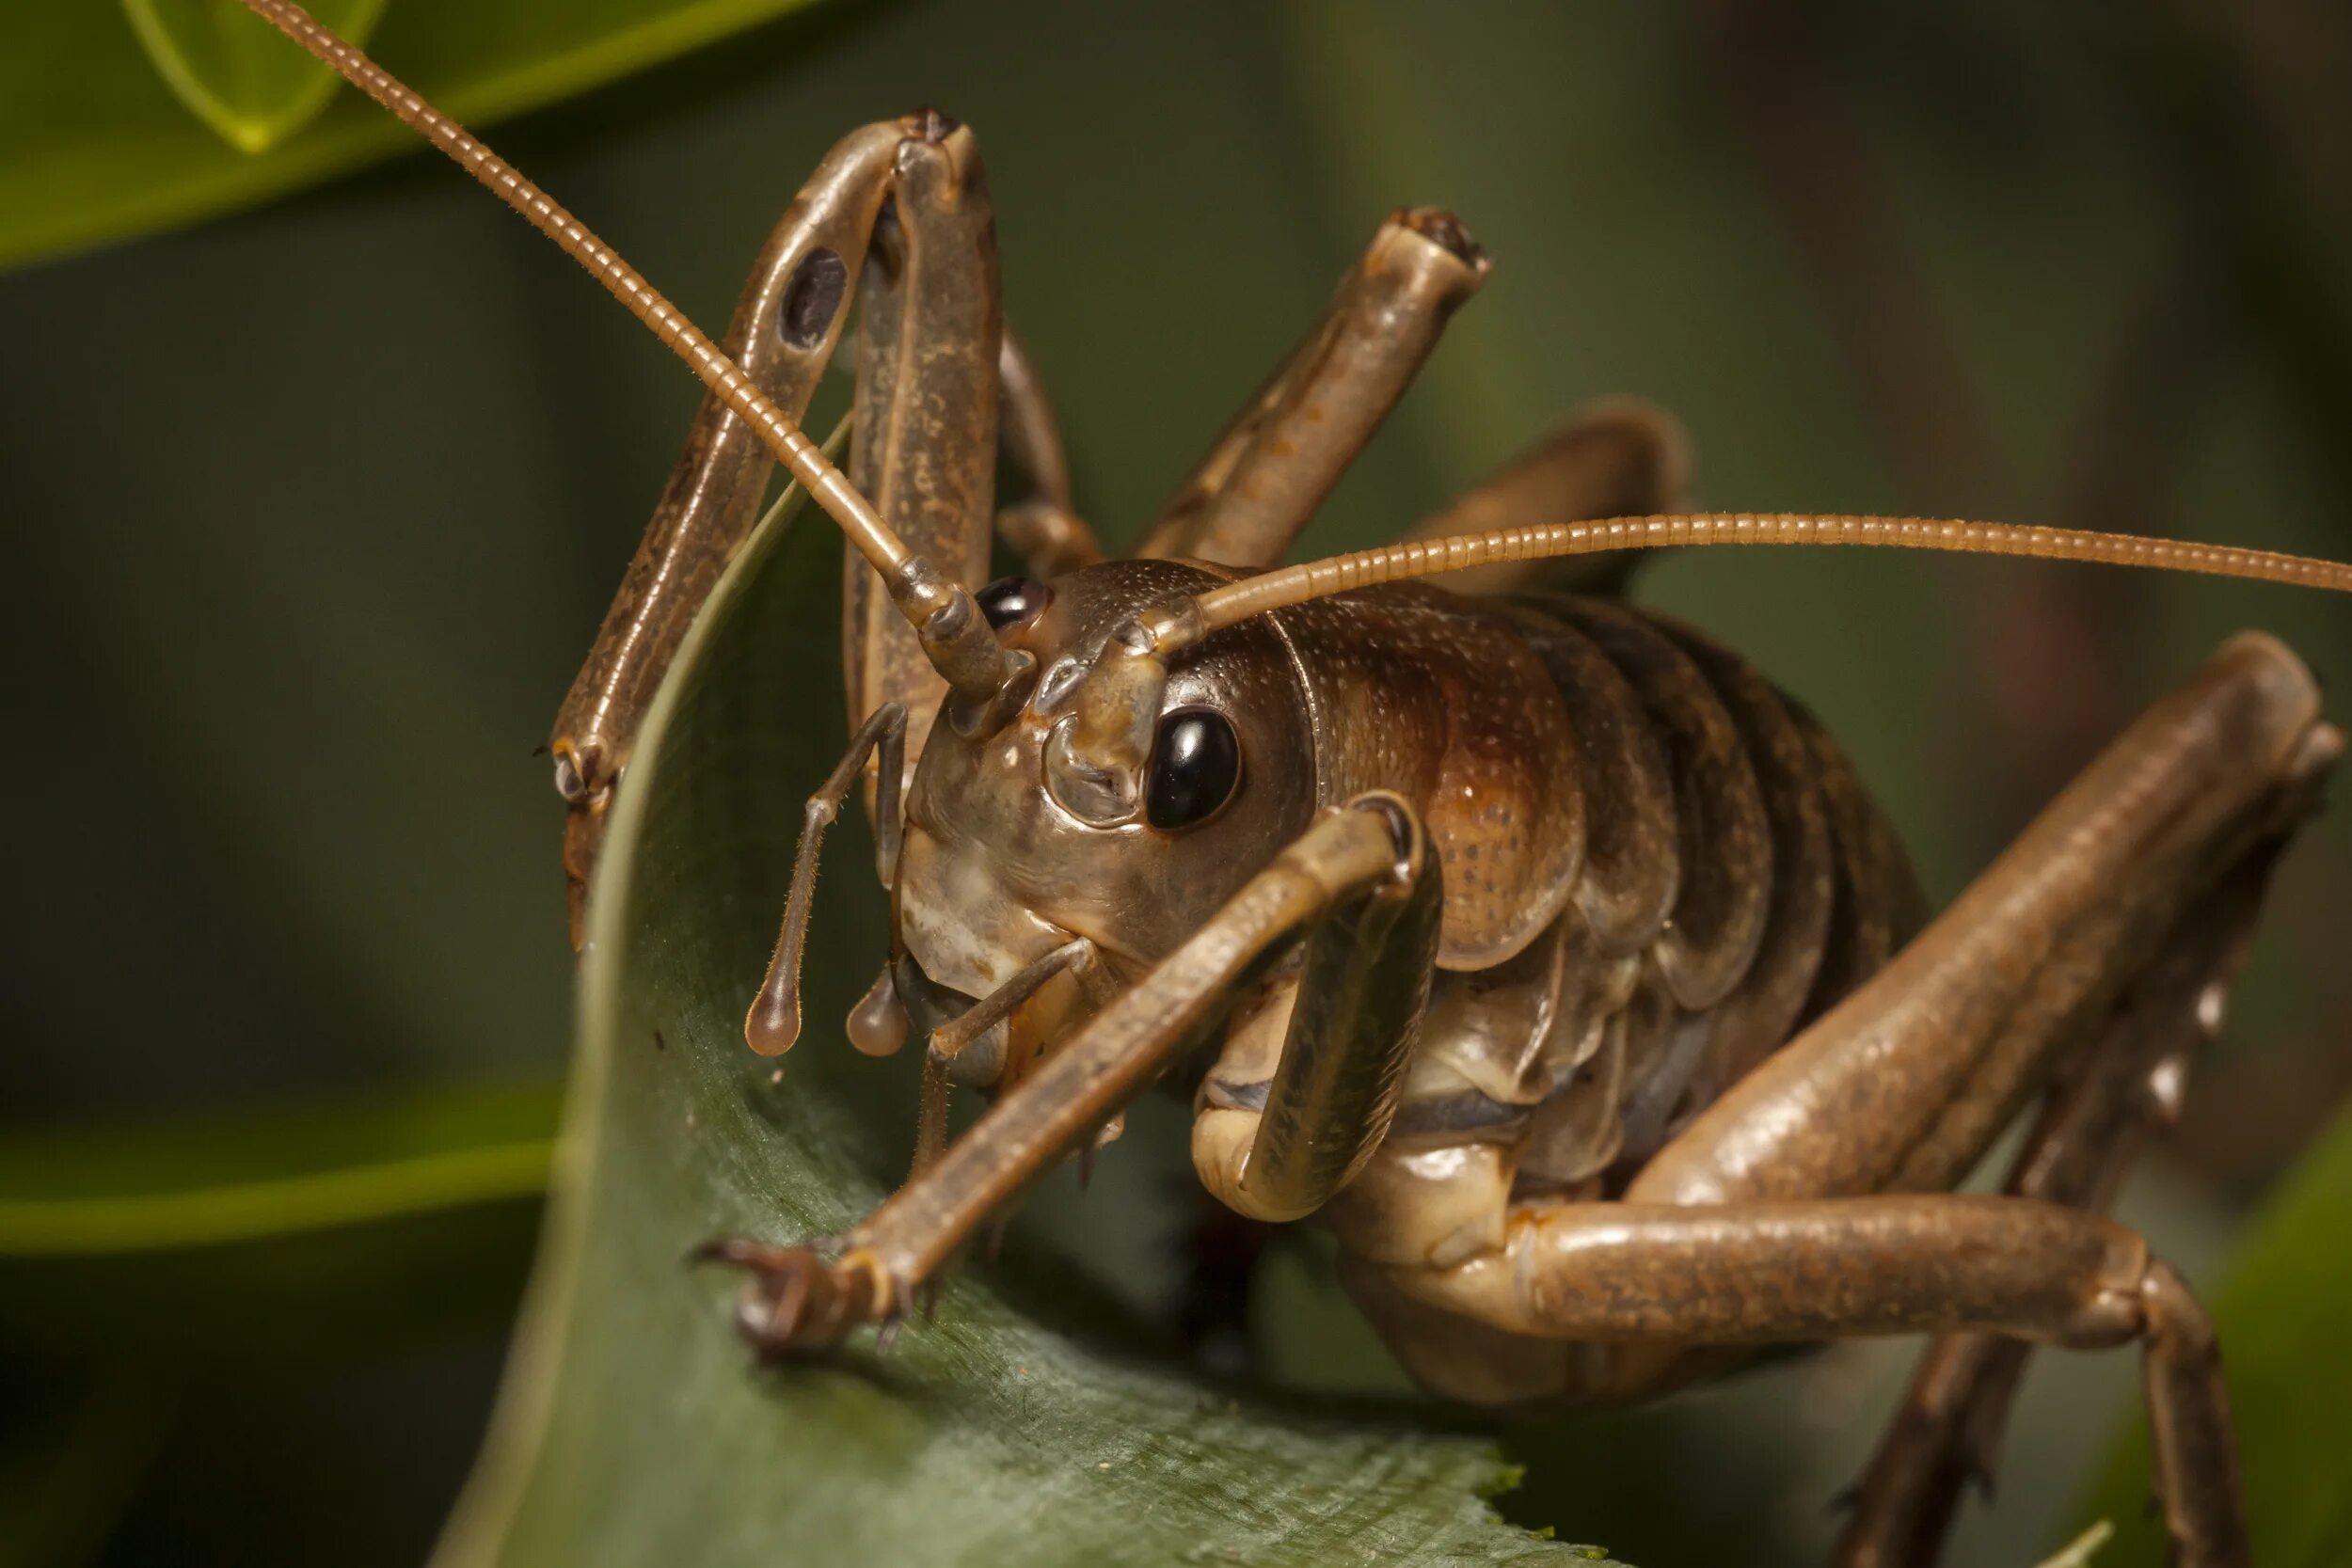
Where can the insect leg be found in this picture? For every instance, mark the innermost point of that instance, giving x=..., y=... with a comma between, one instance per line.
x=1272, y=468
x=1905, y=1084
x=784, y=330
x=1947, y=1430
x=924, y=447
x=1615, y=457
x=801, y=1296
x=1276, y=1145
x=1050, y=538
x=1902, y=1087
x=1627, y=1274
x=1031, y=433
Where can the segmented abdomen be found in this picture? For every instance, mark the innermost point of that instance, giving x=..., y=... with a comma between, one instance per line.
x=1735, y=882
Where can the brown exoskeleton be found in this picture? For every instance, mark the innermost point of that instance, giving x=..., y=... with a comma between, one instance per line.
x=1532, y=941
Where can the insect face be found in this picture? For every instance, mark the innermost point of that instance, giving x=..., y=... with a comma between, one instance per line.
x=995, y=871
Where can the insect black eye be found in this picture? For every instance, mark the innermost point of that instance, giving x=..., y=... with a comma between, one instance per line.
x=1012, y=601
x=1195, y=763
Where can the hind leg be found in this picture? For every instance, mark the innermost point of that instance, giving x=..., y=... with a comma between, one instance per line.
x=1802, y=1204
x=1947, y=1430
x=1905, y=1084
x=1635, y=1276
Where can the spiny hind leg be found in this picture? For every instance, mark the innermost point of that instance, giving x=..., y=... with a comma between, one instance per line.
x=2164, y=845
x=2082, y=959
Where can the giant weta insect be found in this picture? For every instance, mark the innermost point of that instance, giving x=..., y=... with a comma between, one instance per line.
x=1536, y=944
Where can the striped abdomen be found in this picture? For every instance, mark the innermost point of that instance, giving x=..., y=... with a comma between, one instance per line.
x=1734, y=879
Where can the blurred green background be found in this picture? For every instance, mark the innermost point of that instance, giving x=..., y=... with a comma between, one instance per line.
x=313, y=509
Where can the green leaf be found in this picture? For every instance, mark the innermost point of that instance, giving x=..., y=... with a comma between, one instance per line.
x=1025, y=1422
x=2282, y=1317
x=319, y=1231
x=234, y=71
x=97, y=141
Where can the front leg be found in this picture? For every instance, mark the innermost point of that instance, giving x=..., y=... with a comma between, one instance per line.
x=1309, y=1080
x=923, y=450
x=811, y=1295
x=784, y=331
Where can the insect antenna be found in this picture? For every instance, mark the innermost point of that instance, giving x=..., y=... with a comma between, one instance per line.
x=1117, y=706
x=1314, y=579
x=955, y=637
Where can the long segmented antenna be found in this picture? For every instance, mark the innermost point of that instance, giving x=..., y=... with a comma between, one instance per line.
x=955, y=637
x=1315, y=580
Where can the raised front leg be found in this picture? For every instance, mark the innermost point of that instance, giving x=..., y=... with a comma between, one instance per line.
x=784, y=330
x=902, y=204
x=1274, y=464
x=905, y=205
x=924, y=447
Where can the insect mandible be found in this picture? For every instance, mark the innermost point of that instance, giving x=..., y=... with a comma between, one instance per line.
x=1533, y=943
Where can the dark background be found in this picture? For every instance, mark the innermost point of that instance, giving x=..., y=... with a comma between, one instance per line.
x=312, y=512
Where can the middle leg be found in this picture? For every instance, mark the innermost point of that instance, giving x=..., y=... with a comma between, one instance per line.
x=1264, y=477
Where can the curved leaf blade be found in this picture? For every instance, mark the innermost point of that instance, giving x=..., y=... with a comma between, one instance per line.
x=1021, y=1423
x=95, y=145
x=316, y=1232
x=234, y=71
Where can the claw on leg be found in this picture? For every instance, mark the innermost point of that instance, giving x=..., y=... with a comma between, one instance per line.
x=798, y=1298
